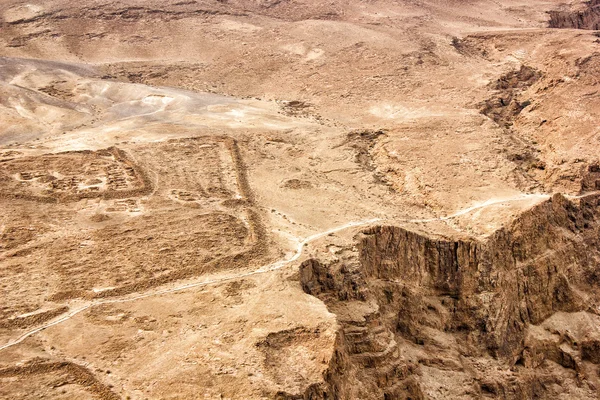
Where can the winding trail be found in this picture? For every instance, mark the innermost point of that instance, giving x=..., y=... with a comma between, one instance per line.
x=266, y=268
x=278, y=264
x=485, y=204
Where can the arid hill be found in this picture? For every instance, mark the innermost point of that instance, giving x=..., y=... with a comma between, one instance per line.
x=232, y=199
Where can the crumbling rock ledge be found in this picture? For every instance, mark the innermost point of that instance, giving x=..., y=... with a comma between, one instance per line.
x=586, y=18
x=513, y=315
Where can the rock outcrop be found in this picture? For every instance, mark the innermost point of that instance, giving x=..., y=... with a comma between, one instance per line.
x=438, y=317
x=586, y=18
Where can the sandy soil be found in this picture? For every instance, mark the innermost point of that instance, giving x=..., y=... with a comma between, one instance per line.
x=165, y=168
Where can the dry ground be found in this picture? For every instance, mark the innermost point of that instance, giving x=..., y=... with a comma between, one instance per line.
x=150, y=145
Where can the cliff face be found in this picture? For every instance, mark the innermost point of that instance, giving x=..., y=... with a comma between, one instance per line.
x=587, y=18
x=425, y=317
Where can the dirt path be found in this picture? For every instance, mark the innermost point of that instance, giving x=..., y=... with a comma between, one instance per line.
x=278, y=264
x=267, y=268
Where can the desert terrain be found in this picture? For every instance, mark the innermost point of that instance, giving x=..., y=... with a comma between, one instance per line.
x=294, y=199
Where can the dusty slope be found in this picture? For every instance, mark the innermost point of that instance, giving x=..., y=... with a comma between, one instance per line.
x=160, y=162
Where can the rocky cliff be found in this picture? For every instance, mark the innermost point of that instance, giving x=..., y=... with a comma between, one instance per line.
x=512, y=315
x=586, y=18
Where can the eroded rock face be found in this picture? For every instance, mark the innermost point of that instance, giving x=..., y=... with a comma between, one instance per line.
x=437, y=317
x=587, y=18
x=507, y=104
